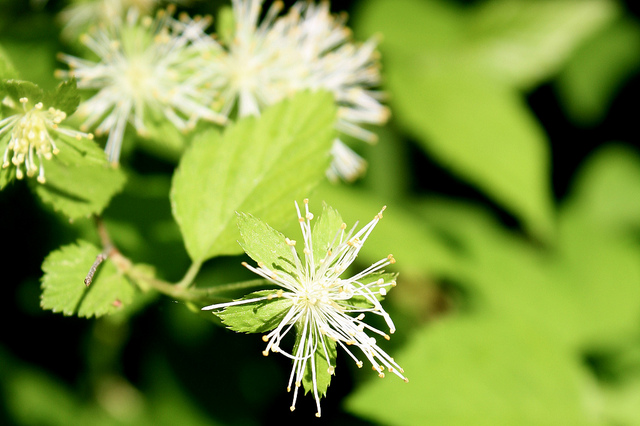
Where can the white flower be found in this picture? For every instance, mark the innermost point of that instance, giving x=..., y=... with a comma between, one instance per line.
x=145, y=65
x=29, y=137
x=325, y=307
x=308, y=48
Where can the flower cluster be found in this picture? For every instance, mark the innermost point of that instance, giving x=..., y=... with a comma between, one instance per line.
x=146, y=66
x=172, y=67
x=308, y=48
x=29, y=136
x=325, y=308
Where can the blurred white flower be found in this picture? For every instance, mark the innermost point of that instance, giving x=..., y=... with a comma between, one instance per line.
x=144, y=65
x=30, y=139
x=308, y=48
x=322, y=304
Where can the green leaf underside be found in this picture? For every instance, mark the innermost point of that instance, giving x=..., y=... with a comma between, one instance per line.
x=80, y=182
x=63, y=288
x=258, y=165
x=256, y=317
x=323, y=378
x=264, y=244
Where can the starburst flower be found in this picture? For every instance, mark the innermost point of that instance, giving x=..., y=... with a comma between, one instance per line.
x=325, y=308
x=308, y=48
x=30, y=136
x=146, y=66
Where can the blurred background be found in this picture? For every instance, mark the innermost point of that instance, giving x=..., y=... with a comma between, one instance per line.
x=511, y=172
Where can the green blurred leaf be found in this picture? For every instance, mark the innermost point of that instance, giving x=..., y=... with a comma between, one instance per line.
x=598, y=257
x=80, y=181
x=597, y=69
x=606, y=190
x=7, y=70
x=480, y=371
x=481, y=131
x=256, y=317
x=258, y=165
x=18, y=89
x=522, y=42
x=63, y=288
x=413, y=242
x=65, y=98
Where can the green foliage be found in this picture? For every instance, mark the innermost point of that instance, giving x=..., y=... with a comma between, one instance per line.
x=264, y=244
x=520, y=308
x=256, y=317
x=17, y=89
x=319, y=367
x=258, y=165
x=65, y=98
x=7, y=70
x=455, y=84
x=64, y=289
x=597, y=70
x=80, y=181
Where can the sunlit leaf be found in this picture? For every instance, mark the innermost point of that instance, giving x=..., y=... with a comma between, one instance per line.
x=256, y=317
x=258, y=165
x=64, y=290
x=481, y=371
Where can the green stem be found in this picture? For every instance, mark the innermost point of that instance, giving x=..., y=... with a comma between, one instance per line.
x=181, y=290
x=190, y=275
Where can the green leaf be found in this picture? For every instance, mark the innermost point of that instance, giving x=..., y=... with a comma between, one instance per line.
x=63, y=288
x=7, y=70
x=598, y=69
x=412, y=240
x=480, y=371
x=256, y=317
x=65, y=98
x=481, y=131
x=326, y=232
x=80, y=181
x=18, y=89
x=323, y=376
x=264, y=244
x=226, y=25
x=522, y=43
x=258, y=165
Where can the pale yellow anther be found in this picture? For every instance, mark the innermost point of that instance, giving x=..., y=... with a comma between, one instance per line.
x=317, y=414
x=381, y=375
x=290, y=242
x=383, y=291
x=387, y=337
x=292, y=408
x=391, y=259
x=265, y=352
x=265, y=338
x=279, y=293
x=359, y=364
x=24, y=100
